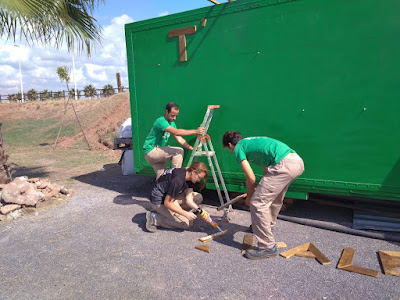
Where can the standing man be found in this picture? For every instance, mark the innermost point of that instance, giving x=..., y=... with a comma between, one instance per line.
x=281, y=167
x=156, y=151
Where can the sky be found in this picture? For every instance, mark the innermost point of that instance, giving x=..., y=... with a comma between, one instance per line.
x=39, y=63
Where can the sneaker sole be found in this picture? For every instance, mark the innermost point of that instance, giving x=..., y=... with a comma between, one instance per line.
x=150, y=227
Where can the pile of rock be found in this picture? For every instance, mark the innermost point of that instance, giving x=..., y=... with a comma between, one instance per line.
x=23, y=193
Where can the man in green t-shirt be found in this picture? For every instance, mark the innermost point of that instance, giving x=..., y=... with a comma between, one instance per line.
x=156, y=151
x=281, y=167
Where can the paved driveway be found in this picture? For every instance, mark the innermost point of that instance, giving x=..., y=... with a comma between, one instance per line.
x=95, y=247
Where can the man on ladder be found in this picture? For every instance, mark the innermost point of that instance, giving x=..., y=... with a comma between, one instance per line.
x=156, y=151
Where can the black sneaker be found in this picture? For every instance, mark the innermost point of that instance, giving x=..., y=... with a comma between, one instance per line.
x=251, y=228
x=259, y=253
x=150, y=221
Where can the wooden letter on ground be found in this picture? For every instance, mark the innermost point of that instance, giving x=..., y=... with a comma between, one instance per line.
x=307, y=250
x=390, y=262
x=345, y=263
x=181, y=33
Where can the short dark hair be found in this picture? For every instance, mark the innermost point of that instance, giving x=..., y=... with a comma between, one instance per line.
x=171, y=105
x=232, y=137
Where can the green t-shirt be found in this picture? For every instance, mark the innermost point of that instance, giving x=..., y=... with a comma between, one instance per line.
x=262, y=151
x=157, y=135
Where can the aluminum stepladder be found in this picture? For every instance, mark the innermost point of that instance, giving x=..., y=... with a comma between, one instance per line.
x=201, y=142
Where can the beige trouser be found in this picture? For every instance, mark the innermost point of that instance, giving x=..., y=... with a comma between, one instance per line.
x=169, y=219
x=267, y=199
x=159, y=156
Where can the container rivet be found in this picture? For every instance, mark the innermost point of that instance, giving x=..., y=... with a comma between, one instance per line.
x=303, y=109
x=258, y=52
x=365, y=108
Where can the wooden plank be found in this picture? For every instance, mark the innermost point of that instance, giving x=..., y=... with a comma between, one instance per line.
x=280, y=245
x=203, y=22
x=390, y=262
x=213, y=1
x=203, y=247
x=361, y=270
x=319, y=256
x=292, y=252
x=347, y=258
x=248, y=240
x=182, y=31
x=182, y=48
x=308, y=254
x=213, y=236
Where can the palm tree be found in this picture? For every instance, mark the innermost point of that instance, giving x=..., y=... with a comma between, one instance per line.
x=58, y=94
x=108, y=90
x=45, y=95
x=78, y=93
x=52, y=22
x=32, y=95
x=90, y=91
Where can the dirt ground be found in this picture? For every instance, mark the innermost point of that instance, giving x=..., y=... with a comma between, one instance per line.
x=97, y=117
x=30, y=129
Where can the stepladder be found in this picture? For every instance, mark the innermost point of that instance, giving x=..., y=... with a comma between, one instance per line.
x=203, y=147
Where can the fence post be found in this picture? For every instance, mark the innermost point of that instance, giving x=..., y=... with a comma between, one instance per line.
x=119, y=82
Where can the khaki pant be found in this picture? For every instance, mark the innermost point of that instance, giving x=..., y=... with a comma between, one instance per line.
x=169, y=219
x=159, y=156
x=267, y=199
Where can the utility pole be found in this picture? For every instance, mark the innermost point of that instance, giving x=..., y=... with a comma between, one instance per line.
x=20, y=73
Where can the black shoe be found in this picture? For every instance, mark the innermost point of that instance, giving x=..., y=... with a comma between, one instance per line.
x=259, y=253
x=251, y=228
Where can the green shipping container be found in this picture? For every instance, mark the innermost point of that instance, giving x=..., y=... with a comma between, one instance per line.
x=323, y=76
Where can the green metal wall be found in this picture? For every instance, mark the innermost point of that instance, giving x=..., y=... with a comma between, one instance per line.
x=320, y=75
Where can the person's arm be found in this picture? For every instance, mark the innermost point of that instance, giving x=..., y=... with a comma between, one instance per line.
x=184, y=132
x=250, y=180
x=169, y=203
x=189, y=198
x=183, y=142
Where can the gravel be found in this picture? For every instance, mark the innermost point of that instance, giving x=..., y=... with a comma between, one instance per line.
x=95, y=246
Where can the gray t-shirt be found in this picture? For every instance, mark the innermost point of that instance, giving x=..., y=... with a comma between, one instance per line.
x=172, y=182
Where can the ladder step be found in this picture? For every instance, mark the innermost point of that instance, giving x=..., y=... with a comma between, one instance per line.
x=203, y=153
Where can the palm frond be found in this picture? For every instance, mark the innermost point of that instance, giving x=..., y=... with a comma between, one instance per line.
x=52, y=22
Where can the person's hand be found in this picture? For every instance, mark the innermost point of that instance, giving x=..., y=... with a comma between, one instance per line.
x=200, y=131
x=190, y=216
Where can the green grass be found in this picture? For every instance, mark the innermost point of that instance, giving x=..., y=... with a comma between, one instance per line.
x=33, y=132
x=30, y=145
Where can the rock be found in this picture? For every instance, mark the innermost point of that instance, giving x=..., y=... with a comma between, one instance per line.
x=14, y=214
x=6, y=209
x=64, y=191
x=22, y=178
x=2, y=217
x=20, y=191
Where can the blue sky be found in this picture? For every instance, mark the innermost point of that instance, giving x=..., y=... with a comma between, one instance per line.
x=39, y=63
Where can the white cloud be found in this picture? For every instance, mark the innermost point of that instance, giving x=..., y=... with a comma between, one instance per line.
x=165, y=13
x=39, y=63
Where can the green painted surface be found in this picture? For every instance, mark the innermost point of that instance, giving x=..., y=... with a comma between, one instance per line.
x=320, y=75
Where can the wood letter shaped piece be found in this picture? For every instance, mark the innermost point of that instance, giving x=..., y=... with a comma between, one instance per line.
x=181, y=34
x=345, y=263
x=390, y=262
x=307, y=250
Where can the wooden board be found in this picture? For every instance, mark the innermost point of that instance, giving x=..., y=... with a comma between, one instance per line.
x=307, y=250
x=203, y=247
x=346, y=260
x=390, y=262
x=213, y=236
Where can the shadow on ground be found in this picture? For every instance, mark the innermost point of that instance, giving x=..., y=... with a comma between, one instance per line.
x=135, y=190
